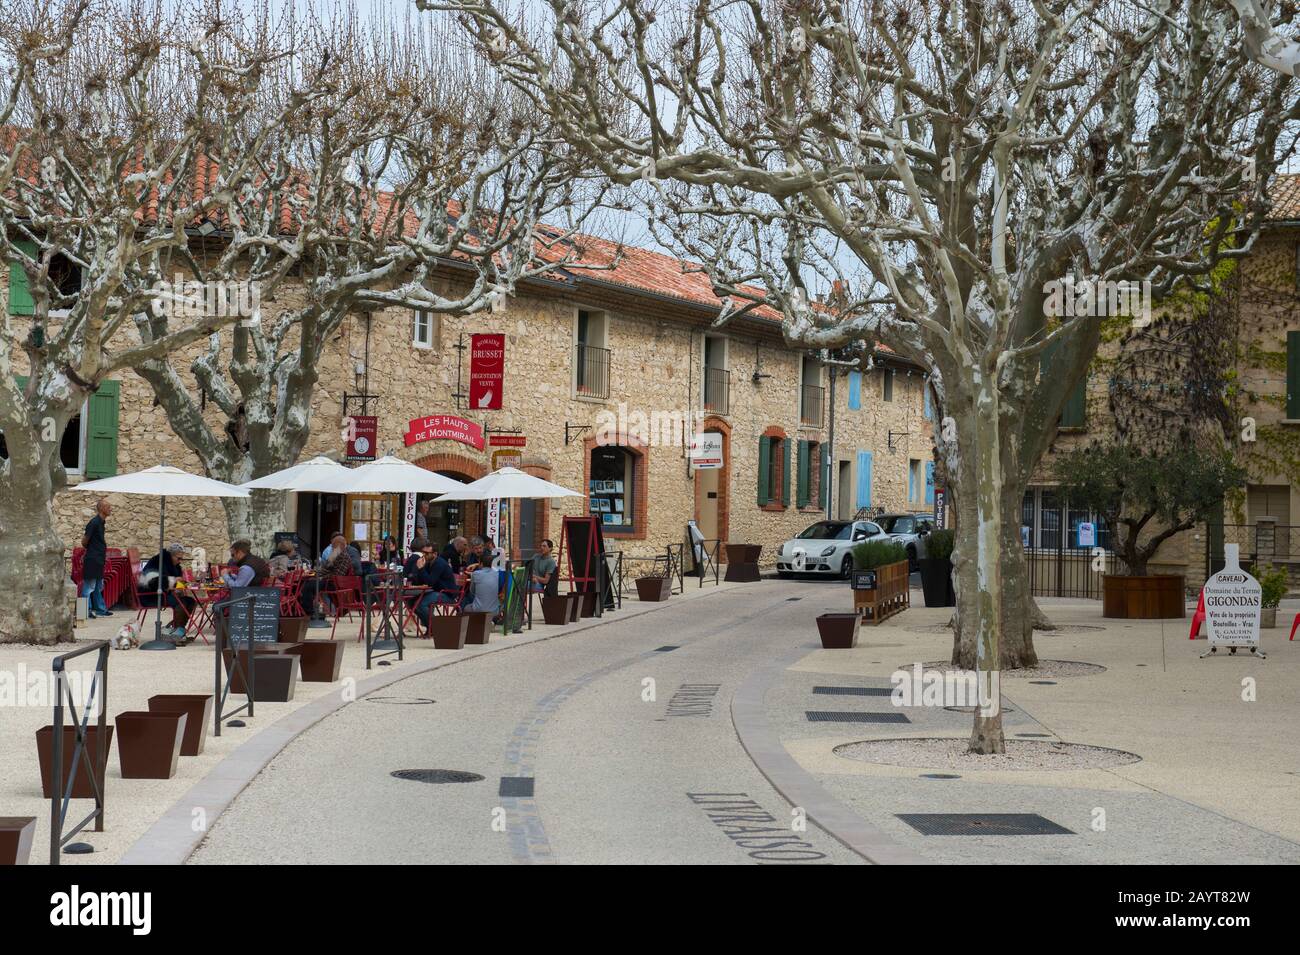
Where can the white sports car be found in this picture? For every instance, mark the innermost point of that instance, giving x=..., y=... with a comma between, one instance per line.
x=825, y=548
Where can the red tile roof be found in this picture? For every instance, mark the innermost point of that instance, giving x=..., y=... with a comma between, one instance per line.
x=1286, y=198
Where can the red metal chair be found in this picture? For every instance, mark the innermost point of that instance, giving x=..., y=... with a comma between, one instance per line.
x=345, y=596
x=1198, y=618
x=1295, y=626
x=290, y=590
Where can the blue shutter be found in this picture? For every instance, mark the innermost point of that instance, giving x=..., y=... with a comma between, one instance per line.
x=929, y=412
x=929, y=482
x=855, y=390
x=911, y=483
x=864, y=479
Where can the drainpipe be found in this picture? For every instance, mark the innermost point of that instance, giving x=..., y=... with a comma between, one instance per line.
x=829, y=456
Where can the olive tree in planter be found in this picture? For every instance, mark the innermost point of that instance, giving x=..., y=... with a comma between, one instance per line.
x=936, y=569
x=1146, y=499
x=1273, y=586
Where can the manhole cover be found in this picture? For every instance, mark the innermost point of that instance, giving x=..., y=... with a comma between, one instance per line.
x=983, y=824
x=401, y=700
x=854, y=690
x=436, y=775
x=520, y=786
x=828, y=716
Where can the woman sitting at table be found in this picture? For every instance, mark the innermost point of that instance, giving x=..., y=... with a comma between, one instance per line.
x=390, y=552
x=182, y=604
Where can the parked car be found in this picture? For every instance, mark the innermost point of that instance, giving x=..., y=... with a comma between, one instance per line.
x=910, y=530
x=825, y=548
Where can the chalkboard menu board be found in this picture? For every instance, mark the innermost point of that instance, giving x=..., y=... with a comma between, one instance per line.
x=864, y=580
x=266, y=615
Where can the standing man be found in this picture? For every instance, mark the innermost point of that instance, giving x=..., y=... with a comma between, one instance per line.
x=422, y=520
x=92, y=563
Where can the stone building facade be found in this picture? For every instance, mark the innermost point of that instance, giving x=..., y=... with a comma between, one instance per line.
x=598, y=366
x=1263, y=292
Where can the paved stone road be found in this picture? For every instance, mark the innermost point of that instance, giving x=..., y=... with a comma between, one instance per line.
x=619, y=776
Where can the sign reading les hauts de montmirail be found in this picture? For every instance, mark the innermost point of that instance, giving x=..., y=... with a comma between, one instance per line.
x=444, y=427
x=1232, y=603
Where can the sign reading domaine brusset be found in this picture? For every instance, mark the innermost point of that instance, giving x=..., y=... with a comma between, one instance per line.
x=444, y=427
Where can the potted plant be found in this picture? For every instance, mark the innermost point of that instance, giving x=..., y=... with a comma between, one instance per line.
x=1273, y=587
x=887, y=590
x=936, y=569
x=1146, y=498
x=872, y=554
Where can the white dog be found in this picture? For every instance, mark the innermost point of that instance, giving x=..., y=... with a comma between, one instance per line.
x=126, y=638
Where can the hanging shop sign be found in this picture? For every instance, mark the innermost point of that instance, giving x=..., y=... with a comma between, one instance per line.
x=1233, y=600
x=487, y=371
x=506, y=458
x=941, y=508
x=444, y=427
x=508, y=440
x=706, y=450
x=362, y=432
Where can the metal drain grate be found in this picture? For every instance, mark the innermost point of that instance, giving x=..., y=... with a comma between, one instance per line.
x=788, y=599
x=520, y=786
x=437, y=776
x=667, y=649
x=831, y=716
x=854, y=690
x=1043, y=682
x=982, y=824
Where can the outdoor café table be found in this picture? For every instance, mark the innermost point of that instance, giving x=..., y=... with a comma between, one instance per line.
x=205, y=595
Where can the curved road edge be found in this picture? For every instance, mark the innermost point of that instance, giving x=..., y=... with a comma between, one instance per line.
x=173, y=838
x=796, y=785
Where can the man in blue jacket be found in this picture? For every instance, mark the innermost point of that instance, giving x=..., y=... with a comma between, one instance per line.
x=423, y=568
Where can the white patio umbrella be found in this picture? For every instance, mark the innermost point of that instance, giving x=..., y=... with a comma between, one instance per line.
x=303, y=476
x=506, y=483
x=162, y=482
x=388, y=475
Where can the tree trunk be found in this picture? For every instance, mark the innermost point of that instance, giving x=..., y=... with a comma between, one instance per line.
x=38, y=591
x=257, y=518
x=986, y=475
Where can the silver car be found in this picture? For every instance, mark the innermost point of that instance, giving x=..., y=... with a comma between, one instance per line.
x=910, y=530
x=825, y=548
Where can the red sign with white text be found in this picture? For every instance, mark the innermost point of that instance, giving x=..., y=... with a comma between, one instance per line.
x=487, y=371
x=362, y=432
x=444, y=427
x=508, y=440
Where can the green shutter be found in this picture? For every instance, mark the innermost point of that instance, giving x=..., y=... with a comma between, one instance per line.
x=805, y=484
x=101, y=431
x=821, y=477
x=20, y=296
x=1293, y=375
x=785, y=472
x=1075, y=410
x=764, y=469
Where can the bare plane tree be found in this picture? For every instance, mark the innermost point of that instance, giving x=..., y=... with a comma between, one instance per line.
x=1264, y=40
x=414, y=162
x=953, y=164
x=106, y=114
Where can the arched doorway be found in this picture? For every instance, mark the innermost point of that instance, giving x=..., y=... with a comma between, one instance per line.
x=711, y=487
x=451, y=519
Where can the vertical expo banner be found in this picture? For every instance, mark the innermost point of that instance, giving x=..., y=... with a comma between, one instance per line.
x=410, y=522
x=487, y=371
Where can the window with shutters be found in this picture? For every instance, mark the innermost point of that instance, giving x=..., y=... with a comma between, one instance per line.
x=774, y=470
x=855, y=390
x=89, y=443
x=809, y=476
x=863, y=496
x=887, y=384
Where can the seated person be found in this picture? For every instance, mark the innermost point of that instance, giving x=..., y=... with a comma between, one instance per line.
x=474, y=557
x=249, y=569
x=435, y=573
x=390, y=552
x=454, y=553
x=485, y=593
x=339, y=545
x=168, y=563
x=338, y=561
x=545, y=571
x=286, y=559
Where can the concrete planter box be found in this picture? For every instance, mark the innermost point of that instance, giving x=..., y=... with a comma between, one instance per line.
x=197, y=708
x=16, y=834
x=45, y=753
x=478, y=627
x=555, y=610
x=149, y=743
x=293, y=629
x=320, y=660
x=448, y=633
x=1154, y=597
x=654, y=588
x=839, y=631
